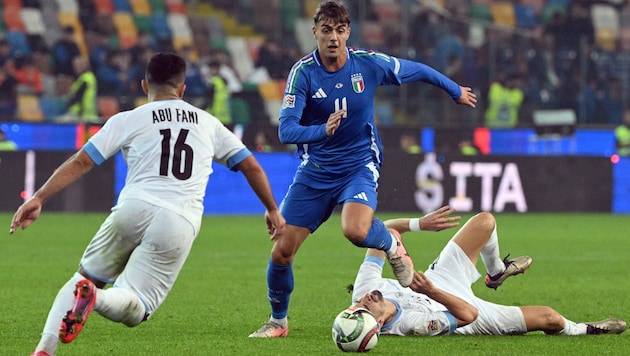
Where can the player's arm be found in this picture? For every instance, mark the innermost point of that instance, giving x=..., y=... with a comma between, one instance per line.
x=70, y=171
x=258, y=181
x=411, y=71
x=464, y=312
x=434, y=221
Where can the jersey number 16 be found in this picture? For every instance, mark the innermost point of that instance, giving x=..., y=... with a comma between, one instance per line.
x=179, y=170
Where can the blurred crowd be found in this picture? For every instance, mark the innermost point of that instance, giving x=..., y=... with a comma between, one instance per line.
x=558, y=63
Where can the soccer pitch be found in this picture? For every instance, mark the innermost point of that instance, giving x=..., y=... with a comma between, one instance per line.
x=580, y=265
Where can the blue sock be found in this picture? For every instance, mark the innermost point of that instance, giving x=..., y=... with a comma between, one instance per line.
x=378, y=237
x=280, y=286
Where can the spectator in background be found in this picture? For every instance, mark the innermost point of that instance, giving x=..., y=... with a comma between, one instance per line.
x=6, y=144
x=81, y=101
x=409, y=143
x=226, y=71
x=63, y=51
x=99, y=51
x=8, y=98
x=271, y=58
x=219, y=94
x=28, y=77
x=505, y=98
x=5, y=52
x=113, y=75
x=610, y=103
x=195, y=82
x=622, y=135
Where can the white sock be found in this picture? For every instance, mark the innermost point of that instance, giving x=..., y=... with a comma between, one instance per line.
x=572, y=328
x=63, y=302
x=490, y=255
x=282, y=322
x=392, y=250
x=120, y=305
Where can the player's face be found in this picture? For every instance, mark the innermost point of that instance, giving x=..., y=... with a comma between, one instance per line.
x=374, y=302
x=331, y=38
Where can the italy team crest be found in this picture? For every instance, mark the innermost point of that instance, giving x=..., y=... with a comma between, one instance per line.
x=357, y=83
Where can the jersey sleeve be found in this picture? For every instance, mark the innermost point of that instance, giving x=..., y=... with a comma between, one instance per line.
x=370, y=273
x=295, y=96
x=398, y=71
x=229, y=150
x=108, y=140
x=425, y=324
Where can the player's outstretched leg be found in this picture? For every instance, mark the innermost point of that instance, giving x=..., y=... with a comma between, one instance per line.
x=607, y=326
x=512, y=267
x=271, y=329
x=401, y=263
x=73, y=322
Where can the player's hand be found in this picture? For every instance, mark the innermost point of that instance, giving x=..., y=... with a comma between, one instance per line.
x=334, y=120
x=439, y=220
x=421, y=283
x=26, y=214
x=275, y=224
x=467, y=98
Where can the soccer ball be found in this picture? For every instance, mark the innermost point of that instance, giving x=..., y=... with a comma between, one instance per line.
x=355, y=330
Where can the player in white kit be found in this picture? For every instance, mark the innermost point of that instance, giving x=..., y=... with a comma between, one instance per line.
x=440, y=300
x=169, y=146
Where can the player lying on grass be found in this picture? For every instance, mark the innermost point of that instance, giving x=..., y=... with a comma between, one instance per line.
x=440, y=300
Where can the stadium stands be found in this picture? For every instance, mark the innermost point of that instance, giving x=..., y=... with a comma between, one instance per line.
x=34, y=25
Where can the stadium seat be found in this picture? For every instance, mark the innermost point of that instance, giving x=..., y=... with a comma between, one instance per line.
x=181, y=42
x=19, y=43
x=52, y=107
x=140, y=7
x=12, y=19
x=525, y=16
x=126, y=28
x=122, y=6
x=243, y=64
x=104, y=7
x=605, y=17
x=179, y=26
x=176, y=7
x=143, y=23
x=160, y=26
x=33, y=20
x=67, y=6
x=503, y=14
x=107, y=106
x=158, y=7
x=241, y=114
x=28, y=108
x=480, y=13
x=269, y=90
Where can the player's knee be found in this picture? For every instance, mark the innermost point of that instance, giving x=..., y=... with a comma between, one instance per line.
x=134, y=320
x=552, y=318
x=485, y=221
x=355, y=235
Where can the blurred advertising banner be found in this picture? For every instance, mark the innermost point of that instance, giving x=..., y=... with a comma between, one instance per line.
x=496, y=183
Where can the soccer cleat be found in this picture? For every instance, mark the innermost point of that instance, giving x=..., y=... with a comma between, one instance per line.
x=73, y=322
x=607, y=326
x=40, y=353
x=401, y=263
x=271, y=329
x=512, y=268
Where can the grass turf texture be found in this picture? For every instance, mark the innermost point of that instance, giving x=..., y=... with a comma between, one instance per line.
x=580, y=269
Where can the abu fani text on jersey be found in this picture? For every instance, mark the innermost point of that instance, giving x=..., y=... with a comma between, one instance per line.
x=177, y=115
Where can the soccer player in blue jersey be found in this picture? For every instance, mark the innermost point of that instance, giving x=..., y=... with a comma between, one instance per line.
x=328, y=111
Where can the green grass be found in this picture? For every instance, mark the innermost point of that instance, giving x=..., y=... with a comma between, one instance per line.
x=580, y=265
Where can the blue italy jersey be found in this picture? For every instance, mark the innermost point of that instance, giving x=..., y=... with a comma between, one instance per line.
x=312, y=93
